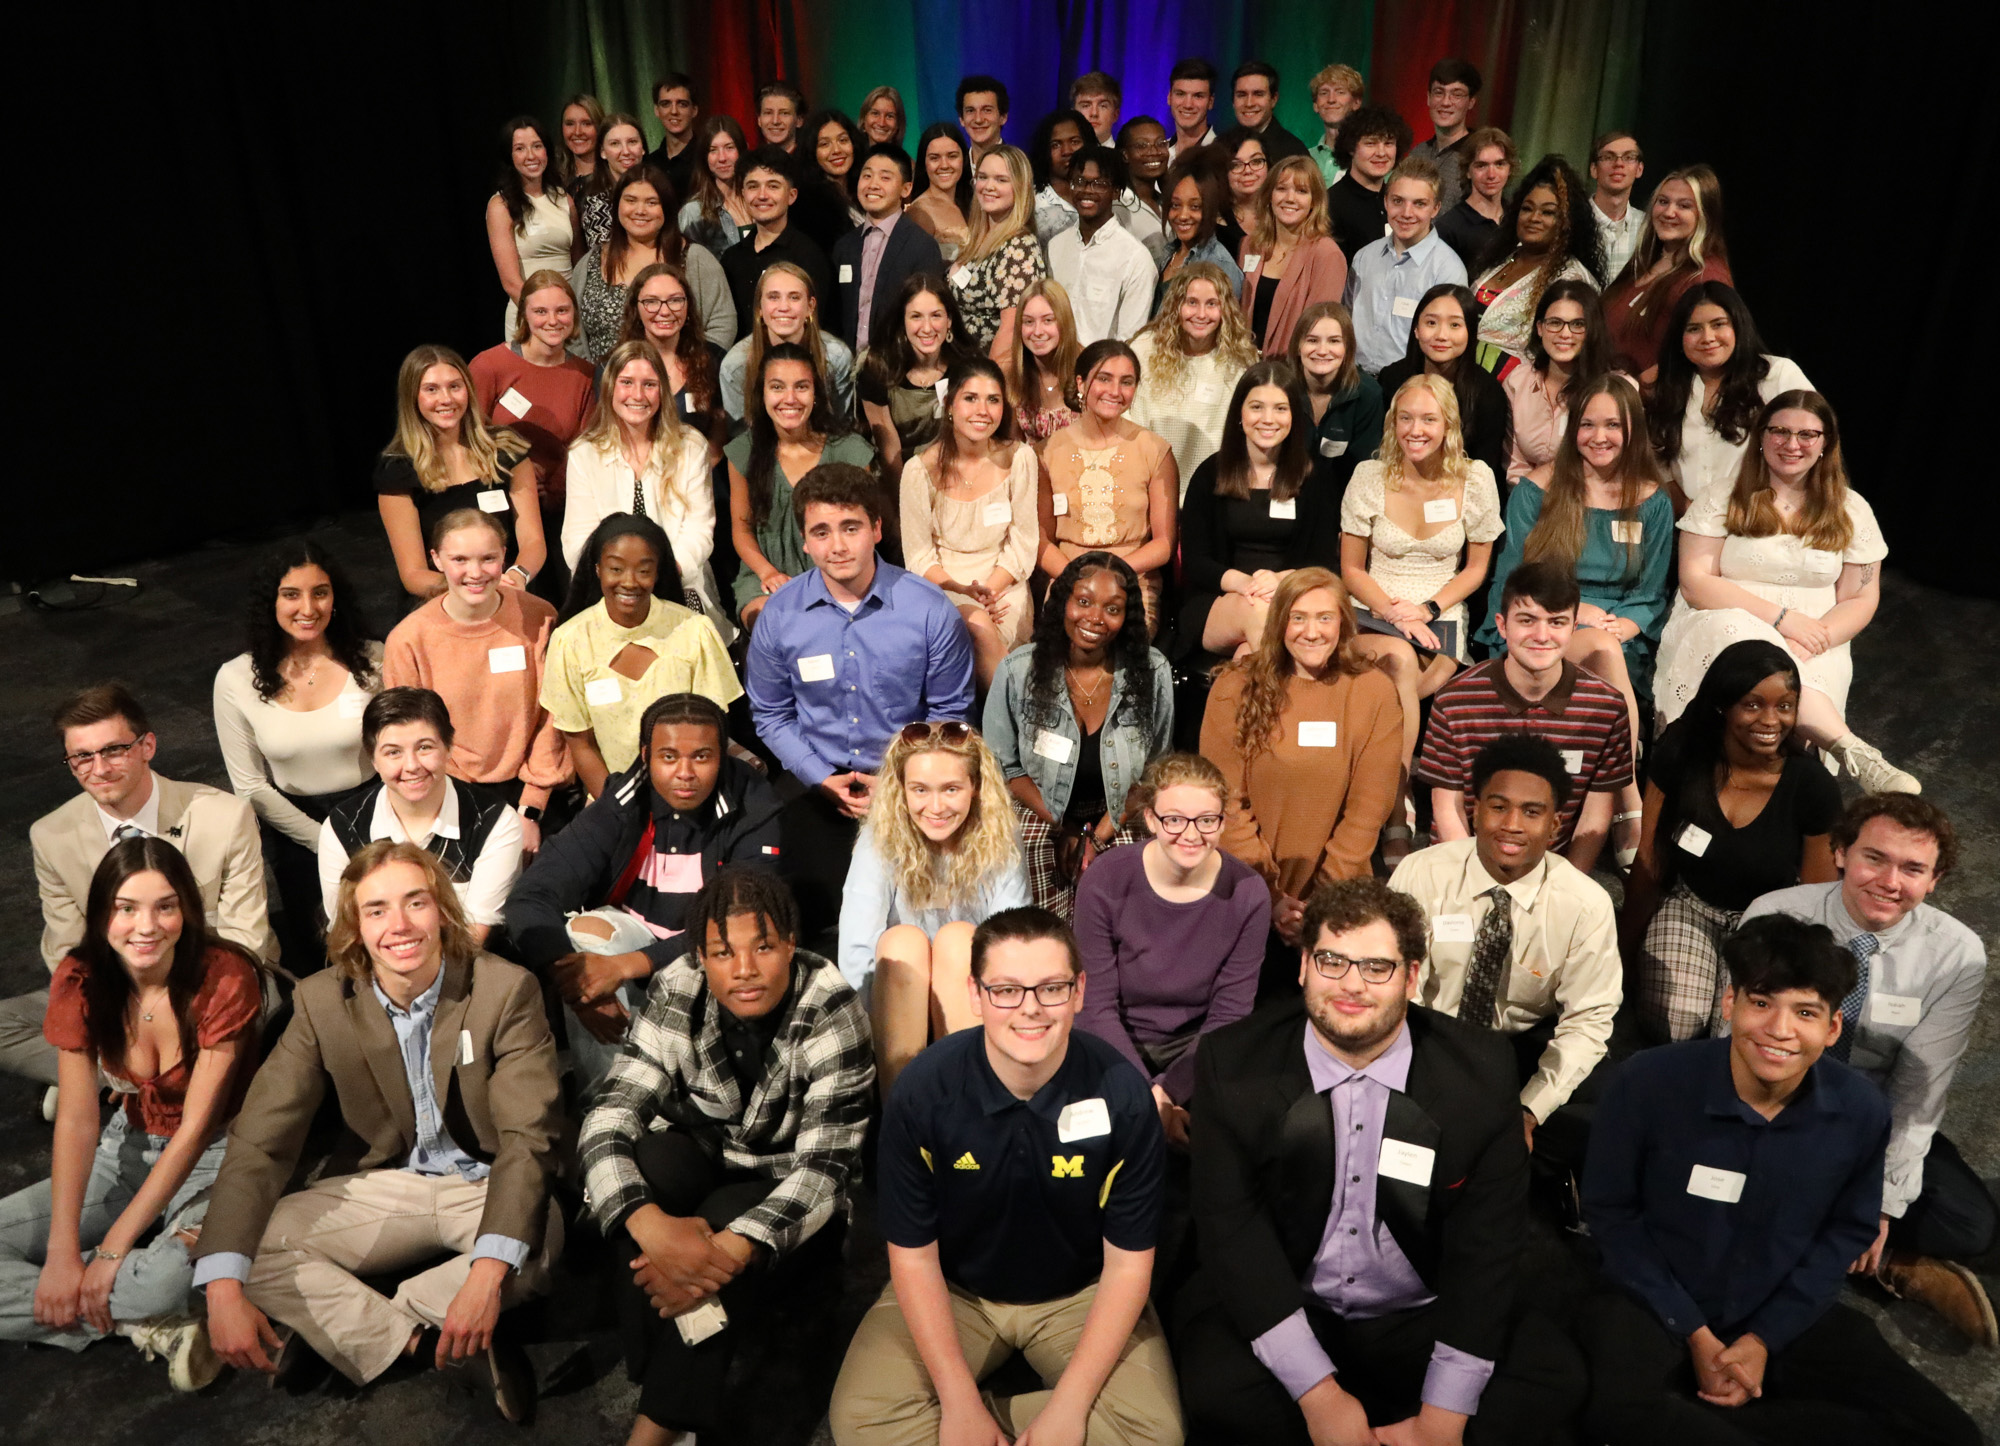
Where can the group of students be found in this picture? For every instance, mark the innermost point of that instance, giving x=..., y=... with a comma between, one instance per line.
x=814, y=817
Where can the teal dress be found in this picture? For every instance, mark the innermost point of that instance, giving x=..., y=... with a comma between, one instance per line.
x=1637, y=591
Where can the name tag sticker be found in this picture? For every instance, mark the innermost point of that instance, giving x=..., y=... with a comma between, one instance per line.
x=352, y=705
x=1713, y=1184
x=1572, y=760
x=846, y=274
x=1288, y=509
x=602, y=692
x=1901, y=1009
x=1451, y=928
x=1403, y=306
x=1251, y=263
x=507, y=660
x=816, y=669
x=1403, y=1161
x=1059, y=504
x=514, y=404
x=961, y=276
x=465, y=1046
x=707, y=1319
x=996, y=514
x=1695, y=840
x=1320, y=734
x=493, y=500
x=1051, y=744
x=1441, y=509
x=1633, y=532
x=1083, y=1120
x=1208, y=392
x=687, y=404
x=1333, y=446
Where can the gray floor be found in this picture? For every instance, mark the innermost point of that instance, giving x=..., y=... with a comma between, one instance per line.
x=1921, y=695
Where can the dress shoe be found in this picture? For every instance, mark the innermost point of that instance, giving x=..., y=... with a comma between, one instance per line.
x=1947, y=1288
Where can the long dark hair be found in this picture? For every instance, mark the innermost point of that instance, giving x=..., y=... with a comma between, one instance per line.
x=347, y=630
x=690, y=345
x=1232, y=459
x=509, y=183
x=1006, y=434
x=1696, y=736
x=890, y=359
x=107, y=986
x=948, y=130
x=1463, y=371
x=1594, y=359
x=819, y=121
x=671, y=245
x=1740, y=401
x=764, y=432
x=1130, y=652
x=1576, y=228
x=584, y=588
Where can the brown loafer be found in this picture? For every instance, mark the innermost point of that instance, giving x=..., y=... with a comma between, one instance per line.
x=1947, y=1288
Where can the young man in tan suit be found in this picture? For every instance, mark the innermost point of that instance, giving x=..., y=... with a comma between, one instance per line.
x=445, y=1071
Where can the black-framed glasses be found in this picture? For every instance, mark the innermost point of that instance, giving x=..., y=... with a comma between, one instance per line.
x=652, y=304
x=1090, y=183
x=110, y=753
x=1807, y=437
x=949, y=730
x=1049, y=993
x=1335, y=966
x=1255, y=163
x=1619, y=158
x=1206, y=824
x=1559, y=325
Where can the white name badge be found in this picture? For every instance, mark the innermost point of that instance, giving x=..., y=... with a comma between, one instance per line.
x=1083, y=1120
x=687, y=404
x=1713, y=1184
x=1442, y=509
x=1572, y=760
x=941, y=387
x=1633, y=532
x=507, y=660
x=1695, y=840
x=997, y=514
x=960, y=276
x=352, y=705
x=846, y=274
x=603, y=692
x=1059, y=504
x=1403, y=1161
x=465, y=1046
x=1332, y=447
x=1403, y=306
x=514, y=404
x=1288, y=509
x=707, y=1319
x=1208, y=392
x=493, y=500
x=1451, y=928
x=1053, y=745
x=1251, y=263
x=1895, y=1008
x=816, y=669
x=1318, y=734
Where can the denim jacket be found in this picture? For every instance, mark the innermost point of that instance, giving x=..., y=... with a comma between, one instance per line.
x=1124, y=750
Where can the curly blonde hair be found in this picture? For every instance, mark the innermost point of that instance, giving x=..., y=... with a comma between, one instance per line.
x=1268, y=670
x=1166, y=367
x=344, y=949
x=987, y=842
x=1175, y=770
x=1457, y=466
x=418, y=440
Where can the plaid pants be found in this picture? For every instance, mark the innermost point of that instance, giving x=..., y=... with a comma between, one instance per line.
x=1680, y=972
x=1038, y=849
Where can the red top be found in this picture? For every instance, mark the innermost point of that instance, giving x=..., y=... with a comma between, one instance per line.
x=1636, y=336
x=227, y=1005
x=558, y=399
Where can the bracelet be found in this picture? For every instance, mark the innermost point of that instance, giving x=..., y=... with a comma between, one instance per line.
x=526, y=576
x=1779, y=620
x=110, y=1255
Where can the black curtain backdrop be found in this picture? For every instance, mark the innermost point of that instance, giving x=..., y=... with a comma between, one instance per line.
x=285, y=200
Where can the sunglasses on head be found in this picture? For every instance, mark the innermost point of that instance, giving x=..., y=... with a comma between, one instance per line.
x=950, y=730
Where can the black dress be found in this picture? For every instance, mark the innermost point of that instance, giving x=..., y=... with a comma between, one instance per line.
x=1221, y=533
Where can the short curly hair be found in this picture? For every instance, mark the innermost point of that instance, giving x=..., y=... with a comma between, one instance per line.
x=1356, y=903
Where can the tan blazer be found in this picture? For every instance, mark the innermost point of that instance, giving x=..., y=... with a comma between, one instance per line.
x=502, y=1108
x=215, y=830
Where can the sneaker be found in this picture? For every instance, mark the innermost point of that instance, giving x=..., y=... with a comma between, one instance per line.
x=1871, y=770
x=49, y=1104
x=1947, y=1288
x=191, y=1362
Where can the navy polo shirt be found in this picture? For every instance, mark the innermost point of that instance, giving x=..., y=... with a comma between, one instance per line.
x=1019, y=1213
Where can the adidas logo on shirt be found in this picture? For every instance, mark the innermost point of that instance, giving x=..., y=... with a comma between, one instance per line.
x=965, y=1162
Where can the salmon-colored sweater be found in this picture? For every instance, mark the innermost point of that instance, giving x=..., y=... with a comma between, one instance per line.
x=1308, y=813
x=502, y=732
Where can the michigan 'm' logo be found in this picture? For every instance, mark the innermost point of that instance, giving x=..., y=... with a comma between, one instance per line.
x=1067, y=1167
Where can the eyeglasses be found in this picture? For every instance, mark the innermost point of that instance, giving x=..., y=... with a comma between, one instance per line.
x=1785, y=436
x=1049, y=993
x=1090, y=183
x=1619, y=158
x=109, y=755
x=653, y=304
x=1561, y=327
x=1451, y=92
x=1335, y=966
x=949, y=730
x=1176, y=824
x=1256, y=164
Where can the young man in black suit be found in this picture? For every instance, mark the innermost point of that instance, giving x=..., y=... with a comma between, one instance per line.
x=1360, y=1194
x=871, y=262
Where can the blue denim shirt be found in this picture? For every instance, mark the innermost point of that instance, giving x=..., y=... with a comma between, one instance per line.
x=1216, y=254
x=1123, y=749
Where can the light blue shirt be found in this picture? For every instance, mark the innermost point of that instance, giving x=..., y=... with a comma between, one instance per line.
x=872, y=902
x=1383, y=289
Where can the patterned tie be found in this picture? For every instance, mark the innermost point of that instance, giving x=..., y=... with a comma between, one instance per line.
x=638, y=495
x=1862, y=947
x=1489, y=956
x=127, y=830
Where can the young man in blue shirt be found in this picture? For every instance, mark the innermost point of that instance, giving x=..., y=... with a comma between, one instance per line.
x=1390, y=276
x=1730, y=1184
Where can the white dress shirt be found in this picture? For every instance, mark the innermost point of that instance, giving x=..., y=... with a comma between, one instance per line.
x=1616, y=239
x=494, y=872
x=146, y=820
x=1110, y=280
x=678, y=497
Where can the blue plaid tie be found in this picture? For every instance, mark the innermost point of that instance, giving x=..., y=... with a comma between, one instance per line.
x=1862, y=947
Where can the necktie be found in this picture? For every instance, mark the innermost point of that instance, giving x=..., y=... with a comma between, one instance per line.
x=1862, y=947
x=638, y=495
x=127, y=830
x=1490, y=948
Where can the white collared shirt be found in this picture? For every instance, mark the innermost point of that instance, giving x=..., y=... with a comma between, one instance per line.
x=146, y=820
x=494, y=872
x=1110, y=279
x=1174, y=147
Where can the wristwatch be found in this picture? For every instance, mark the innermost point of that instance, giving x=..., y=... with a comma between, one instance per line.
x=531, y=813
x=1431, y=607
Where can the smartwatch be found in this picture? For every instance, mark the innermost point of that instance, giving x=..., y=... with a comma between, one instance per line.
x=531, y=813
x=1431, y=607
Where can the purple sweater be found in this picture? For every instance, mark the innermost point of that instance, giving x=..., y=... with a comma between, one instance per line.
x=1155, y=969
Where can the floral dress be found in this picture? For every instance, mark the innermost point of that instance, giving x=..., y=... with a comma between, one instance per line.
x=988, y=286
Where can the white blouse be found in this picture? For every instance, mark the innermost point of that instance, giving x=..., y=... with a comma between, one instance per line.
x=678, y=495
x=271, y=751
x=1708, y=459
x=1190, y=415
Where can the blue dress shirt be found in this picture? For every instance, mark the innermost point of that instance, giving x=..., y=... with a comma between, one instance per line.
x=1382, y=276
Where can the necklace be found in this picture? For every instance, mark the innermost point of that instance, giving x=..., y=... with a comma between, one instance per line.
x=1089, y=698
x=303, y=684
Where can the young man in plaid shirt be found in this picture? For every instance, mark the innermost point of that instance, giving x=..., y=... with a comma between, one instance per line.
x=724, y=1139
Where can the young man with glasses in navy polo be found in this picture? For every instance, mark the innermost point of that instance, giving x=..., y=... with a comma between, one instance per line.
x=1020, y=1178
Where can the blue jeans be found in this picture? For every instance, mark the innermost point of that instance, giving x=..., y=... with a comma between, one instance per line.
x=151, y=1281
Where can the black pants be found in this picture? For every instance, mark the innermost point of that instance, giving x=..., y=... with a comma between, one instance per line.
x=1230, y=1399
x=1955, y=1217
x=1839, y=1384
x=296, y=916
x=681, y=1386
x=1563, y=1138
x=817, y=843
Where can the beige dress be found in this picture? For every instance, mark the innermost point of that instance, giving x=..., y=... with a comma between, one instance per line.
x=1102, y=500
x=1413, y=569
x=969, y=537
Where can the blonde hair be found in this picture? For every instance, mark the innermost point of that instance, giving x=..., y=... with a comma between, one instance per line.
x=1344, y=76
x=1457, y=466
x=1068, y=348
x=1268, y=669
x=1175, y=770
x=895, y=98
x=344, y=949
x=987, y=842
x=1559, y=532
x=666, y=432
x=1265, y=234
x=418, y=440
x=988, y=235
x=1166, y=368
x=1703, y=242
x=760, y=335
x=1823, y=523
x=543, y=280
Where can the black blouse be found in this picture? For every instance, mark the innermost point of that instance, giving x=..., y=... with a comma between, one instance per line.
x=396, y=476
x=1739, y=865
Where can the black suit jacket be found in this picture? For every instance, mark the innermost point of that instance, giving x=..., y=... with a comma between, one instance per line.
x=911, y=249
x=1264, y=1166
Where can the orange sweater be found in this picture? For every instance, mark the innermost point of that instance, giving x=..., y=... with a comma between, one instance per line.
x=501, y=730
x=1301, y=815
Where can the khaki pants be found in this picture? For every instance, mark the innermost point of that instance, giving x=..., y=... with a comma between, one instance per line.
x=322, y=1237
x=885, y=1397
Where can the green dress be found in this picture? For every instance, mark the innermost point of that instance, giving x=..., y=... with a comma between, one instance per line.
x=779, y=539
